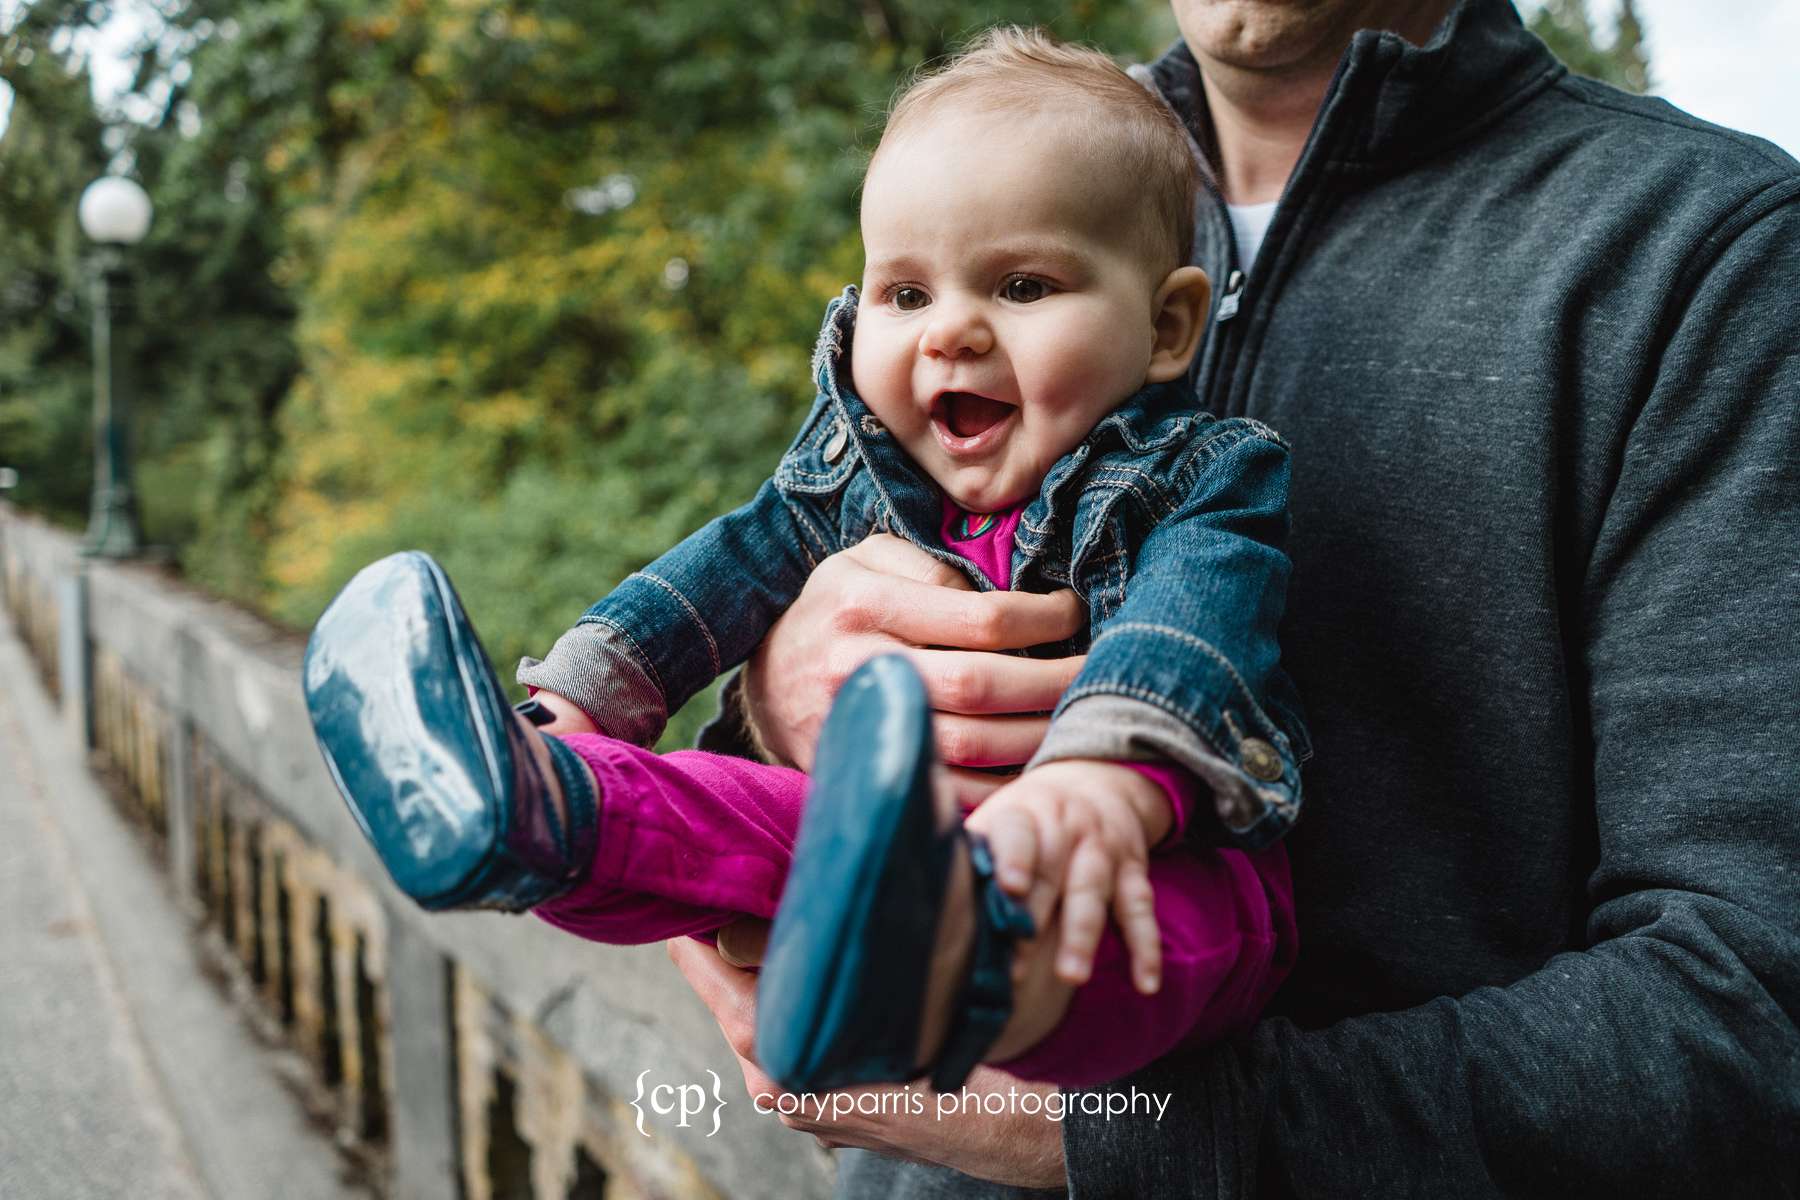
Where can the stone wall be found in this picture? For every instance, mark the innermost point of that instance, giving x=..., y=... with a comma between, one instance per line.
x=472, y=1054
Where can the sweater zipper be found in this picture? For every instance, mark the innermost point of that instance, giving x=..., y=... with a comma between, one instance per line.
x=1206, y=374
x=1234, y=292
x=1219, y=368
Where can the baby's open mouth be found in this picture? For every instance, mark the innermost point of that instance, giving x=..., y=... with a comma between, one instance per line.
x=967, y=415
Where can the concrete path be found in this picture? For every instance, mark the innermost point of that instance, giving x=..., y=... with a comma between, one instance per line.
x=124, y=1072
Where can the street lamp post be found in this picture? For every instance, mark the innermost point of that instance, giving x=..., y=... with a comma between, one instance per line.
x=115, y=213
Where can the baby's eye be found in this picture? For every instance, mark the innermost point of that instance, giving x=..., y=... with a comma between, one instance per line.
x=1022, y=289
x=908, y=299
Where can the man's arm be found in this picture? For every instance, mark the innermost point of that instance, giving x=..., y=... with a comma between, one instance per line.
x=1664, y=1058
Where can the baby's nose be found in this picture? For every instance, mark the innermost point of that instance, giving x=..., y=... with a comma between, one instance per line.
x=955, y=331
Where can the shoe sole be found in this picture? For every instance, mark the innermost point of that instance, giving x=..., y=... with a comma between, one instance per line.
x=370, y=637
x=839, y=999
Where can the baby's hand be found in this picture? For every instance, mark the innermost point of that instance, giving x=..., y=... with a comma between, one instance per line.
x=569, y=716
x=1083, y=827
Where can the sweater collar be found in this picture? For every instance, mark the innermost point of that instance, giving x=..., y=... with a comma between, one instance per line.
x=1391, y=100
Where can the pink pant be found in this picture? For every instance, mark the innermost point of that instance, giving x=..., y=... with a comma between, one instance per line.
x=689, y=841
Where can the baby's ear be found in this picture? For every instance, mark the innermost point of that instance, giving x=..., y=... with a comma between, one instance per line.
x=1180, y=318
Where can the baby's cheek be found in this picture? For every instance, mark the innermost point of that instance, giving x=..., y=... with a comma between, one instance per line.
x=1048, y=442
x=870, y=359
x=882, y=382
x=859, y=372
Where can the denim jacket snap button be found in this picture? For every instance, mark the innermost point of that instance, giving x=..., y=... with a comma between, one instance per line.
x=834, y=445
x=1260, y=760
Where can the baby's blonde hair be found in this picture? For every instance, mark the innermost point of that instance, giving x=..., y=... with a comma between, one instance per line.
x=1027, y=71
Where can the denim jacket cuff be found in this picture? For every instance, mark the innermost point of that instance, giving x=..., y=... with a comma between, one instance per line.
x=598, y=667
x=1250, y=813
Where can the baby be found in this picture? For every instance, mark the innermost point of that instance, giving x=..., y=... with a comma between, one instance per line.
x=1008, y=392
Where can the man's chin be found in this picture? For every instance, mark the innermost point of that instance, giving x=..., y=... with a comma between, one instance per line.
x=1266, y=35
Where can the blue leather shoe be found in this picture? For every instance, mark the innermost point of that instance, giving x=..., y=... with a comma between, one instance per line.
x=841, y=997
x=434, y=764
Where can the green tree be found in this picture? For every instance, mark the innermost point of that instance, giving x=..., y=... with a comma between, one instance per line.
x=559, y=309
x=50, y=150
x=1568, y=29
x=527, y=283
x=210, y=329
x=243, y=132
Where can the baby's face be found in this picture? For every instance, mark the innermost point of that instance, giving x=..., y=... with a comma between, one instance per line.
x=1007, y=303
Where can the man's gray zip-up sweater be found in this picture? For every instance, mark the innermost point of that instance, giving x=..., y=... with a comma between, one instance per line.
x=1536, y=346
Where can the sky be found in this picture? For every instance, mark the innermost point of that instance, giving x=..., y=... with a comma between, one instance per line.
x=1732, y=62
x=1736, y=63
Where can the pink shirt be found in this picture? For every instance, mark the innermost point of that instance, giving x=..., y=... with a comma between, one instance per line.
x=986, y=539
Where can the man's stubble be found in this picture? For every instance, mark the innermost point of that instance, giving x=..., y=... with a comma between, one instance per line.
x=1294, y=37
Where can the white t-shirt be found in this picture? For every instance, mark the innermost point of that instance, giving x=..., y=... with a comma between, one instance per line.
x=1249, y=222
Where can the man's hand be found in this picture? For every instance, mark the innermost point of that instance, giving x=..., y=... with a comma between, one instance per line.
x=1082, y=829
x=887, y=595
x=1019, y=1149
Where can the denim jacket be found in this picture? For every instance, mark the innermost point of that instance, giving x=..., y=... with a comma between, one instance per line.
x=1167, y=522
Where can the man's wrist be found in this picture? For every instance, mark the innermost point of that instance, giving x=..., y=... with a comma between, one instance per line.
x=1024, y=1150
x=1038, y=1156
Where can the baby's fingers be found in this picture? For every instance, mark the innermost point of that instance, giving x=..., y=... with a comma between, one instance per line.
x=1134, y=904
x=1085, y=902
x=1012, y=838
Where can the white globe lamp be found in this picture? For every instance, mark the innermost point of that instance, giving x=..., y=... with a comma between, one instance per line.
x=116, y=210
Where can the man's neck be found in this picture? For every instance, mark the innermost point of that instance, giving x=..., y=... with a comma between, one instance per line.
x=1262, y=113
